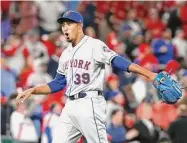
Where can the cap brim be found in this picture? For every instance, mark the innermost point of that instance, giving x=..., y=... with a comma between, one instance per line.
x=62, y=19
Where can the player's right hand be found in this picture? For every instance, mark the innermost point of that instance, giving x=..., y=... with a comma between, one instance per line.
x=21, y=97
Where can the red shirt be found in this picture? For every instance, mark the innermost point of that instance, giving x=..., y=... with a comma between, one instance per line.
x=53, y=98
x=23, y=77
x=50, y=47
x=155, y=26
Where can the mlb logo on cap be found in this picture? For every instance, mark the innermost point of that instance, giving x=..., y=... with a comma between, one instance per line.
x=71, y=15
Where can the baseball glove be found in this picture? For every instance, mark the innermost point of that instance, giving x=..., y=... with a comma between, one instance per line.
x=168, y=89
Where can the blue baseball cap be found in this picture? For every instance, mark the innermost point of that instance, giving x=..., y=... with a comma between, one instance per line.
x=71, y=15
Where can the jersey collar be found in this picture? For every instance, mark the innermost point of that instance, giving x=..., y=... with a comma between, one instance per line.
x=80, y=42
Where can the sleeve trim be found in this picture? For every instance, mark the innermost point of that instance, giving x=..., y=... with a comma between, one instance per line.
x=111, y=58
x=60, y=72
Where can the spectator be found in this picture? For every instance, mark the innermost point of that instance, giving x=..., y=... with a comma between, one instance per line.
x=112, y=40
x=5, y=21
x=34, y=47
x=35, y=112
x=28, y=16
x=160, y=110
x=13, y=49
x=141, y=88
x=48, y=13
x=132, y=21
x=181, y=44
x=126, y=34
x=116, y=129
x=39, y=76
x=51, y=41
x=129, y=120
x=25, y=72
x=113, y=96
x=55, y=43
x=90, y=31
x=181, y=62
x=163, y=48
x=177, y=129
x=146, y=58
x=7, y=108
x=89, y=16
x=174, y=21
x=106, y=27
x=8, y=79
x=53, y=62
x=21, y=126
x=153, y=23
x=123, y=79
x=49, y=121
x=143, y=131
x=148, y=37
x=52, y=65
x=131, y=49
x=114, y=100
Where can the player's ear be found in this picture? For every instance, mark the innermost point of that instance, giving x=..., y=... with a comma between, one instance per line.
x=80, y=26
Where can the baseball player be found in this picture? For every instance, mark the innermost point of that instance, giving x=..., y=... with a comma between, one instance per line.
x=82, y=70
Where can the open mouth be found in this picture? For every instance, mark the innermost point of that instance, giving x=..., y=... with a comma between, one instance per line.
x=66, y=34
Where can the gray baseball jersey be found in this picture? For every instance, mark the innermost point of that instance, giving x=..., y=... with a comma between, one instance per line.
x=84, y=69
x=84, y=65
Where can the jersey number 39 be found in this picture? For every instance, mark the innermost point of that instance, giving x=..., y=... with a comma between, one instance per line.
x=84, y=78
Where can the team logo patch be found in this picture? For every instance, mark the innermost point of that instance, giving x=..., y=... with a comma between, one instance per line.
x=106, y=49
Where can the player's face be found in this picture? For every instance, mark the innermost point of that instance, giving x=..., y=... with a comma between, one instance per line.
x=70, y=30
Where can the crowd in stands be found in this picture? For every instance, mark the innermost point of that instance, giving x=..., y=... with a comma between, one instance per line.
x=151, y=34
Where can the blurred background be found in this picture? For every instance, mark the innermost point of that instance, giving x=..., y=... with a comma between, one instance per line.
x=151, y=34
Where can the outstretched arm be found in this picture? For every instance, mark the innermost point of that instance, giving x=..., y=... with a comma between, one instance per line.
x=143, y=71
x=126, y=65
x=168, y=89
x=54, y=86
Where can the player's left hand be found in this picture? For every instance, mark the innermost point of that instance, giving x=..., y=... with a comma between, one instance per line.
x=168, y=89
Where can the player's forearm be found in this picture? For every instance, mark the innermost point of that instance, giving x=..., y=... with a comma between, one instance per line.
x=140, y=70
x=54, y=86
x=42, y=89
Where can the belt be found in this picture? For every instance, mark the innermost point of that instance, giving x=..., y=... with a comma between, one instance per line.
x=82, y=95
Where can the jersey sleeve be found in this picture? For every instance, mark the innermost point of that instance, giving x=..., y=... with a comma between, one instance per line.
x=103, y=54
